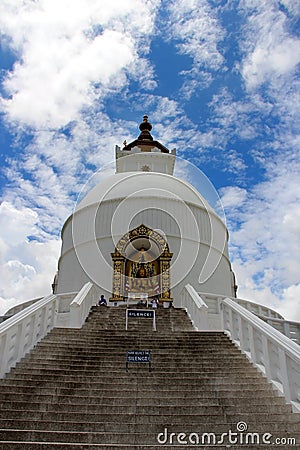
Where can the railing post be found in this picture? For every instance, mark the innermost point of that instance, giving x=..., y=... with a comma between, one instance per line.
x=195, y=307
x=286, y=329
x=284, y=375
x=222, y=307
x=266, y=356
x=75, y=316
x=80, y=306
x=21, y=340
x=252, y=343
x=230, y=319
x=4, y=357
x=240, y=332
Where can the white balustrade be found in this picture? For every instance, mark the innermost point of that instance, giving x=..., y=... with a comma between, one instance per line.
x=81, y=305
x=20, y=333
x=287, y=327
x=213, y=303
x=274, y=354
x=196, y=308
x=257, y=309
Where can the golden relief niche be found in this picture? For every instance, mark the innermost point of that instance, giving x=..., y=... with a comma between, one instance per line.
x=141, y=265
x=142, y=273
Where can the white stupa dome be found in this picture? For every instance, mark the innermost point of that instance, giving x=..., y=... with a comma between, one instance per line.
x=144, y=197
x=143, y=184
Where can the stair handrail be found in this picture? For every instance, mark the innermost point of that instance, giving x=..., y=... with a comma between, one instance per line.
x=255, y=308
x=289, y=328
x=81, y=305
x=195, y=307
x=21, y=332
x=286, y=327
x=273, y=353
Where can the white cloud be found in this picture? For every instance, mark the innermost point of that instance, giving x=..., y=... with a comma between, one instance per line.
x=194, y=26
x=15, y=224
x=264, y=239
x=287, y=303
x=58, y=90
x=70, y=54
x=271, y=52
x=239, y=117
x=26, y=265
x=233, y=197
x=267, y=61
x=290, y=304
x=28, y=281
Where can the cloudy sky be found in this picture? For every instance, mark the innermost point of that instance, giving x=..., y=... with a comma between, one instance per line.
x=220, y=81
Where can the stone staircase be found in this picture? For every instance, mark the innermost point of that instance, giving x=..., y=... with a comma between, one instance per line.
x=73, y=392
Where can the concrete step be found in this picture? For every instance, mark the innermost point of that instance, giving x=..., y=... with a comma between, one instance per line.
x=166, y=355
x=133, y=438
x=141, y=409
x=92, y=386
x=175, y=417
x=117, y=409
x=111, y=359
x=171, y=337
x=139, y=399
x=121, y=381
x=85, y=330
x=112, y=369
x=158, y=368
x=112, y=427
x=117, y=343
x=161, y=392
x=73, y=392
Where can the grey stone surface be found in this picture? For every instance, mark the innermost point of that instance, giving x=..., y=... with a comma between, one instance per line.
x=72, y=391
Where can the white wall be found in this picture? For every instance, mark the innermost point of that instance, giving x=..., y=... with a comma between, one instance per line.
x=191, y=231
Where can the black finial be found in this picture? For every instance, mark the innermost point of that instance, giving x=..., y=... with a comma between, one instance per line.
x=145, y=128
x=145, y=141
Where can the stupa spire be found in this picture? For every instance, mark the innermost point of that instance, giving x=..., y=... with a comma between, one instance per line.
x=145, y=141
x=145, y=128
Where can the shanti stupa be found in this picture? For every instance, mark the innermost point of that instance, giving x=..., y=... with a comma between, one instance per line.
x=224, y=371
x=145, y=230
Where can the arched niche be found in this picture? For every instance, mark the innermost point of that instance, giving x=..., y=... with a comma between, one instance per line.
x=141, y=264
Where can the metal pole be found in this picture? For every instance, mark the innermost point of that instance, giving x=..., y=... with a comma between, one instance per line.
x=154, y=321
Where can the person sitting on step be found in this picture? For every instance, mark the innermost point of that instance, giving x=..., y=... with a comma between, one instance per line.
x=102, y=301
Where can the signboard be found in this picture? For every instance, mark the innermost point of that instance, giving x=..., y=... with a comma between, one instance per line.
x=141, y=313
x=138, y=356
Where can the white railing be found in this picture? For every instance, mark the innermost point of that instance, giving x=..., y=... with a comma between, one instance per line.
x=196, y=308
x=274, y=354
x=17, y=308
x=81, y=305
x=287, y=327
x=256, y=308
x=213, y=303
x=20, y=333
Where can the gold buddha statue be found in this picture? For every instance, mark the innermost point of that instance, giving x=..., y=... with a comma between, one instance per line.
x=141, y=283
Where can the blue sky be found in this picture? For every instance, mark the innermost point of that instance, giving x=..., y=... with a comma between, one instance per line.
x=220, y=81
